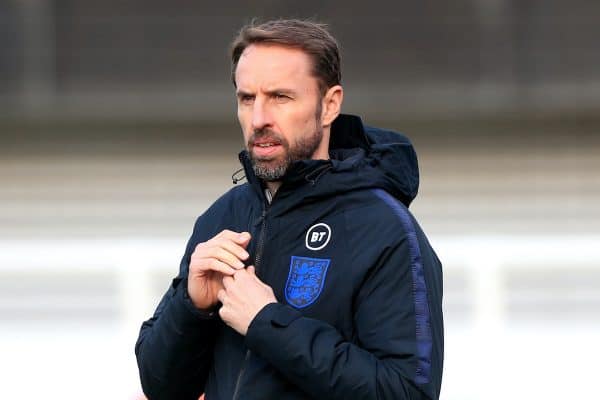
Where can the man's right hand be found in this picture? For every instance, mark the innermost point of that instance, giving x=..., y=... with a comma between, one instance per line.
x=222, y=255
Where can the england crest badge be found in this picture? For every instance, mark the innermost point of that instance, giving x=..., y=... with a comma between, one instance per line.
x=305, y=280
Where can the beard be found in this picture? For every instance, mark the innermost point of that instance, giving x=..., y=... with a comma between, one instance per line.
x=272, y=169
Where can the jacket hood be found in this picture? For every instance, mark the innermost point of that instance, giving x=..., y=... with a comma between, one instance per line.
x=386, y=159
x=361, y=157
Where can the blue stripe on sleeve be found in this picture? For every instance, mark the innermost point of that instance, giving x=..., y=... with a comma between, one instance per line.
x=423, y=326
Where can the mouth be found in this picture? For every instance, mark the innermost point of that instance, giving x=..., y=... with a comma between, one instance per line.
x=264, y=145
x=265, y=148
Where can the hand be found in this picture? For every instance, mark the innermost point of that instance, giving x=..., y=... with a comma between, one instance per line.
x=243, y=296
x=220, y=256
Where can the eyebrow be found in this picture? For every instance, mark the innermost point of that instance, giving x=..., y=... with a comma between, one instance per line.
x=281, y=91
x=242, y=93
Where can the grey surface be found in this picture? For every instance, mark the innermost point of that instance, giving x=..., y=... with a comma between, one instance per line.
x=169, y=59
x=522, y=176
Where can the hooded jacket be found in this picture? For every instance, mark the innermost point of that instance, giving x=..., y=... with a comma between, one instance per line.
x=359, y=288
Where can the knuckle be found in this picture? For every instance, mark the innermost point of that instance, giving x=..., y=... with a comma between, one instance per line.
x=215, y=264
x=200, y=250
x=194, y=264
x=203, y=266
x=218, y=243
x=199, y=246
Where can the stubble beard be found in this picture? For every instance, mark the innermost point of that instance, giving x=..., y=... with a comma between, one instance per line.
x=273, y=169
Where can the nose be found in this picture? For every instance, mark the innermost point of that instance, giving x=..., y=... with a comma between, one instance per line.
x=261, y=115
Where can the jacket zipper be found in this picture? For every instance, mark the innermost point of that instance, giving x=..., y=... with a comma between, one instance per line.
x=239, y=378
x=259, y=249
x=261, y=238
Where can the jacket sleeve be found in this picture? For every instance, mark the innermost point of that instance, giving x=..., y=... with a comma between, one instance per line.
x=174, y=348
x=387, y=360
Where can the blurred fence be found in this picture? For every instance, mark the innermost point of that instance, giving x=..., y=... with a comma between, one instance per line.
x=70, y=313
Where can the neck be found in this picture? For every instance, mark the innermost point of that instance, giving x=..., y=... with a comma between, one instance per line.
x=273, y=186
x=322, y=152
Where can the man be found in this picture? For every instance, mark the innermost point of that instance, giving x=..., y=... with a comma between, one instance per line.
x=312, y=280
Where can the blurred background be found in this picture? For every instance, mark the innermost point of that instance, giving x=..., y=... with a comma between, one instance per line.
x=118, y=128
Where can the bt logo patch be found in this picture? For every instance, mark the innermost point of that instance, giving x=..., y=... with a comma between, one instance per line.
x=318, y=236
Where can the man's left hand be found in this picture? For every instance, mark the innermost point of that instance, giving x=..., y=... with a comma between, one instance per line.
x=243, y=296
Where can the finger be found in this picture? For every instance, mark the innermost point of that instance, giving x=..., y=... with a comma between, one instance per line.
x=252, y=272
x=241, y=274
x=241, y=238
x=210, y=264
x=225, y=314
x=244, y=239
x=221, y=296
x=234, y=248
x=227, y=257
x=226, y=233
x=222, y=255
x=227, y=282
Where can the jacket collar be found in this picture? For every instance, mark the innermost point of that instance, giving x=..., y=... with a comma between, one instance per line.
x=348, y=132
x=361, y=157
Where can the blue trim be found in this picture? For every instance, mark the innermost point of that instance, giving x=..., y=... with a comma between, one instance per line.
x=422, y=316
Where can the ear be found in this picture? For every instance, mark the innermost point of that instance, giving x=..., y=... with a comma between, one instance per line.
x=331, y=105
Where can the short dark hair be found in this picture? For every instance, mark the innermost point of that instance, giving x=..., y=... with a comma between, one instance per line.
x=311, y=37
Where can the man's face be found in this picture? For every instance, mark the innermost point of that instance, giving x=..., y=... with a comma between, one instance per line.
x=279, y=108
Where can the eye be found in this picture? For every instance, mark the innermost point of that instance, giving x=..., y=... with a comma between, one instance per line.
x=281, y=98
x=246, y=98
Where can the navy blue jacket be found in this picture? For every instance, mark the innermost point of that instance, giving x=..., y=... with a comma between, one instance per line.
x=359, y=288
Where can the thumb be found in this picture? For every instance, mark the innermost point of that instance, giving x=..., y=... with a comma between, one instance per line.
x=251, y=270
